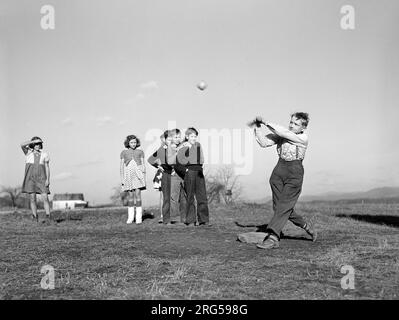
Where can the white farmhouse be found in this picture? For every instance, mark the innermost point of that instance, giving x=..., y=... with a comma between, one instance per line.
x=63, y=201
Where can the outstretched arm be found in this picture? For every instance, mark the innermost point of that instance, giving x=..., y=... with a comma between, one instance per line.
x=287, y=134
x=265, y=140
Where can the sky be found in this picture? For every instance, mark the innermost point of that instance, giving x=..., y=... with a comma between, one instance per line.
x=113, y=68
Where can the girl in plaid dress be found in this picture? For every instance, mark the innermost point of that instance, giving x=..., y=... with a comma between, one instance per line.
x=132, y=172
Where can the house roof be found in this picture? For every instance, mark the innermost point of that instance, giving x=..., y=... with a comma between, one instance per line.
x=68, y=196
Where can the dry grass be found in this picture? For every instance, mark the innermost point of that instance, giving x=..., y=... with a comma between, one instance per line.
x=100, y=257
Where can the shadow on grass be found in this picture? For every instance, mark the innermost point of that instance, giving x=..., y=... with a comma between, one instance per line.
x=148, y=215
x=263, y=228
x=380, y=219
x=63, y=215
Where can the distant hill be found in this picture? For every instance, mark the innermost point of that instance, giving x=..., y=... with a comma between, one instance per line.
x=377, y=193
x=261, y=200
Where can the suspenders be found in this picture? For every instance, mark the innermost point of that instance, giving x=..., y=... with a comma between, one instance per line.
x=296, y=151
x=281, y=148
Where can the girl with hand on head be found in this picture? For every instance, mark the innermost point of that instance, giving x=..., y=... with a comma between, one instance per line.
x=37, y=174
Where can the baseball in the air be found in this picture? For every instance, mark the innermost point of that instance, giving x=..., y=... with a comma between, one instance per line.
x=202, y=85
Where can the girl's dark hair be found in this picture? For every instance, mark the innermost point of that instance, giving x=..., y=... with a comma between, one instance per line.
x=32, y=145
x=131, y=137
x=303, y=116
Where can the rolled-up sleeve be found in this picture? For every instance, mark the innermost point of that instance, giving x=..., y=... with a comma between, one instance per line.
x=299, y=139
x=265, y=140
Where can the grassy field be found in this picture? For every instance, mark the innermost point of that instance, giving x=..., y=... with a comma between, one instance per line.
x=100, y=257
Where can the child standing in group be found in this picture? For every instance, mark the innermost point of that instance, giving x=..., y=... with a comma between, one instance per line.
x=159, y=160
x=192, y=158
x=132, y=173
x=157, y=181
x=37, y=175
x=177, y=193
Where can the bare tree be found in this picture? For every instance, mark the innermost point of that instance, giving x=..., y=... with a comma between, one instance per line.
x=118, y=197
x=213, y=188
x=232, y=187
x=12, y=193
x=223, y=183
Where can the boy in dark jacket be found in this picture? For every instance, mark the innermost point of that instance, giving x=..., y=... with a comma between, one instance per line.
x=159, y=160
x=190, y=160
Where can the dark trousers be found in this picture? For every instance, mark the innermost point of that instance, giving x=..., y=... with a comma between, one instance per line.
x=166, y=188
x=194, y=183
x=178, y=200
x=286, y=184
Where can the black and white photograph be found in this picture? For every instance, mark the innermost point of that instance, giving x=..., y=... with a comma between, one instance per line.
x=217, y=151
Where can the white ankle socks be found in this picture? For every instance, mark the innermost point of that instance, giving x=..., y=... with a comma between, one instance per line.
x=130, y=215
x=139, y=215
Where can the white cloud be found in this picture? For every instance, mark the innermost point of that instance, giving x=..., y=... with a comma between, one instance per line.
x=62, y=176
x=149, y=85
x=146, y=87
x=67, y=122
x=103, y=120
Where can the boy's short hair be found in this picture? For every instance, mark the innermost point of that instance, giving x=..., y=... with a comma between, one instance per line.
x=32, y=145
x=174, y=132
x=191, y=130
x=302, y=116
x=129, y=138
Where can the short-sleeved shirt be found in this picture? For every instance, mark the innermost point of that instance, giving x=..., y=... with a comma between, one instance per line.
x=30, y=157
x=128, y=154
